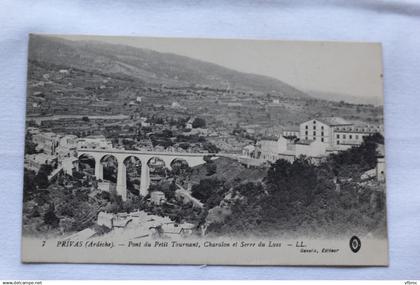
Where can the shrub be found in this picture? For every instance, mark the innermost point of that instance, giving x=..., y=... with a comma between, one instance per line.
x=199, y=123
x=66, y=224
x=50, y=218
x=209, y=191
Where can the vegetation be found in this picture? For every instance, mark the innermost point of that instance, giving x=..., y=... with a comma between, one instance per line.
x=199, y=123
x=210, y=191
x=33, y=183
x=299, y=198
x=30, y=146
x=303, y=198
x=68, y=205
x=292, y=196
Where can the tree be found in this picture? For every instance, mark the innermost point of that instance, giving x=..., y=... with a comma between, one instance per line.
x=300, y=197
x=209, y=191
x=295, y=181
x=199, y=123
x=166, y=133
x=184, y=145
x=66, y=224
x=46, y=168
x=41, y=180
x=29, y=185
x=211, y=168
x=208, y=158
x=210, y=147
x=168, y=190
x=85, y=119
x=180, y=167
x=50, y=218
x=356, y=160
x=30, y=146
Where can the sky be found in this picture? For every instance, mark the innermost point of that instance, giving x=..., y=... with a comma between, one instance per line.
x=349, y=71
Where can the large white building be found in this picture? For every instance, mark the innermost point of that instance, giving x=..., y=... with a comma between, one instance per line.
x=35, y=161
x=46, y=142
x=66, y=146
x=336, y=132
x=315, y=138
x=288, y=149
x=321, y=129
x=353, y=135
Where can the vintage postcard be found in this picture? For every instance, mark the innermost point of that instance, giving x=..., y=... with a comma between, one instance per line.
x=204, y=151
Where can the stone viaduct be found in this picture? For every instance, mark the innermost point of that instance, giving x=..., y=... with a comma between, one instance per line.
x=193, y=159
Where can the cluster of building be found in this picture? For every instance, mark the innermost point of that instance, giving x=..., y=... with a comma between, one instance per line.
x=140, y=224
x=314, y=138
x=63, y=145
x=59, y=150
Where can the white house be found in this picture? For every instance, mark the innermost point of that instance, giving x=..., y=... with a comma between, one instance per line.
x=47, y=142
x=336, y=131
x=311, y=148
x=248, y=150
x=35, y=161
x=354, y=134
x=272, y=149
x=66, y=146
x=94, y=142
x=321, y=129
x=316, y=139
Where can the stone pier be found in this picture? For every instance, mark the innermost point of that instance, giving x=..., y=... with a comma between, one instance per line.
x=193, y=159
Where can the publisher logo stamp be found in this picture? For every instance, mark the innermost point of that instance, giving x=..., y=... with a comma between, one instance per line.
x=355, y=244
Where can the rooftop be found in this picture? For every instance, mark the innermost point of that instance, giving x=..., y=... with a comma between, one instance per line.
x=305, y=142
x=333, y=121
x=39, y=157
x=291, y=129
x=249, y=147
x=269, y=138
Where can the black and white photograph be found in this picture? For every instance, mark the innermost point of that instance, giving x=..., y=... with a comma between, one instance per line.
x=204, y=151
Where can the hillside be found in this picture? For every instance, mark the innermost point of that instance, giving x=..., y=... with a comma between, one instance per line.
x=150, y=66
x=228, y=170
x=345, y=97
x=94, y=78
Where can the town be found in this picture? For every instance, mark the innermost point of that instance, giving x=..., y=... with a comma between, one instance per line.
x=107, y=165
x=314, y=139
x=190, y=149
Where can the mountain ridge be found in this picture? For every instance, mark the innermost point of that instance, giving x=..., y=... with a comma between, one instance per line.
x=151, y=66
x=337, y=97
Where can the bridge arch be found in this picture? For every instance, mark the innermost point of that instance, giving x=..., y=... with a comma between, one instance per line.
x=86, y=159
x=150, y=162
x=157, y=168
x=156, y=161
x=133, y=168
x=110, y=166
x=179, y=166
